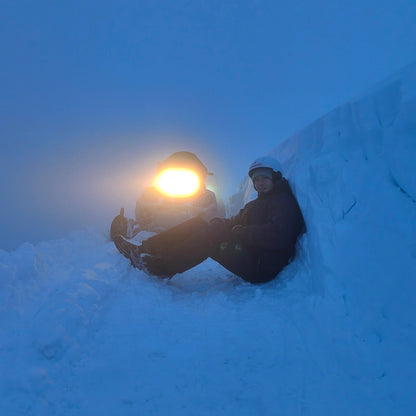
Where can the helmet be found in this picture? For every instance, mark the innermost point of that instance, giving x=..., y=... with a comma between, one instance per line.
x=265, y=162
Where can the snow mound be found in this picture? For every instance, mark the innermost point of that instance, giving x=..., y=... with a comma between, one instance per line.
x=84, y=333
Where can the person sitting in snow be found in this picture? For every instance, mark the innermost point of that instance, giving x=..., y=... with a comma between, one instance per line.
x=256, y=244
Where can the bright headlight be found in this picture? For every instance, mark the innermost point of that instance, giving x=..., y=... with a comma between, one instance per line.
x=178, y=182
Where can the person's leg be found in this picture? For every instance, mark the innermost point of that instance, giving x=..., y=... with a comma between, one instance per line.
x=188, y=244
x=180, y=248
x=165, y=240
x=171, y=251
x=241, y=261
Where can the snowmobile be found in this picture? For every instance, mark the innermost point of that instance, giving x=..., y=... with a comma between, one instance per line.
x=178, y=193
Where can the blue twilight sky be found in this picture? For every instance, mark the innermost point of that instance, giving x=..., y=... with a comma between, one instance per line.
x=94, y=93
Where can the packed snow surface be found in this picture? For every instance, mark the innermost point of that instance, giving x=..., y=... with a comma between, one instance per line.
x=84, y=333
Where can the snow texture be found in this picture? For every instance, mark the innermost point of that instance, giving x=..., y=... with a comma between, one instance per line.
x=83, y=333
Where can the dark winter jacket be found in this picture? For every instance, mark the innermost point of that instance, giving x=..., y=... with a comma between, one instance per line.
x=271, y=224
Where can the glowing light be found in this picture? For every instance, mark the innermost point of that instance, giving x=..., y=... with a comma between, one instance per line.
x=178, y=182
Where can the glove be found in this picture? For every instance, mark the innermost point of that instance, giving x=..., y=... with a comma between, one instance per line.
x=119, y=225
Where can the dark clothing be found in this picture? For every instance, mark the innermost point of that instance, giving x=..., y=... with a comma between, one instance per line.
x=257, y=251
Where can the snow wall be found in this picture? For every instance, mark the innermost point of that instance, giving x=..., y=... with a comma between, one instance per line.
x=354, y=174
x=358, y=161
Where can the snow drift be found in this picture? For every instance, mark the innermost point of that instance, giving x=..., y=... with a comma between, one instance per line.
x=82, y=333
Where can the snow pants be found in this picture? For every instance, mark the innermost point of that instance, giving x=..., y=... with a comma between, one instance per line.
x=190, y=243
